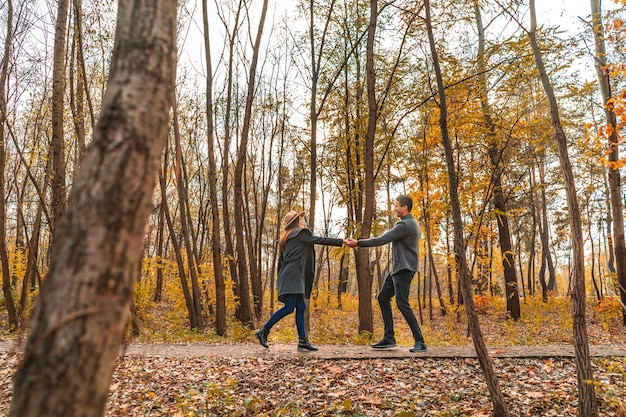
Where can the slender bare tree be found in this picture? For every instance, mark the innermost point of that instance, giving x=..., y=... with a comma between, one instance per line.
x=243, y=308
x=57, y=143
x=4, y=256
x=364, y=273
x=587, y=405
x=216, y=245
x=495, y=156
x=497, y=399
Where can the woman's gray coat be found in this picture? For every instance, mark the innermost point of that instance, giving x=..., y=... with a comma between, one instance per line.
x=296, y=264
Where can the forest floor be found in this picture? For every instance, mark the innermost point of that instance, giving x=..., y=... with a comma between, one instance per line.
x=245, y=379
x=234, y=376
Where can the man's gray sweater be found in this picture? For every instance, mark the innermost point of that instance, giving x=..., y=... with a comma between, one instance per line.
x=405, y=236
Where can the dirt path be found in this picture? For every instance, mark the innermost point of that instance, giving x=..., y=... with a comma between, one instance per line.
x=360, y=352
x=252, y=350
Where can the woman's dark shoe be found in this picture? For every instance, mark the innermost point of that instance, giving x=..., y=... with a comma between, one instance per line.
x=262, y=336
x=304, y=344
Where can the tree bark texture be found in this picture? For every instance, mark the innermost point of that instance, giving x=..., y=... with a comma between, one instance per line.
x=57, y=143
x=587, y=405
x=78, y=86
x=79, y=321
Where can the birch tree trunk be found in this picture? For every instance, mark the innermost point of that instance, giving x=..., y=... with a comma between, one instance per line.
x=79, y=321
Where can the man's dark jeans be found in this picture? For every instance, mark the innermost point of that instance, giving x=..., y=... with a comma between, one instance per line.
x=398, y=284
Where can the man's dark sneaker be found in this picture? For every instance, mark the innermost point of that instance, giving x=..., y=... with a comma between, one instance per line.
x=418, y=347
x=384, y=344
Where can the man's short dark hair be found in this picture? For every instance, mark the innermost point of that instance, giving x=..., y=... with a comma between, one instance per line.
x=405, y=200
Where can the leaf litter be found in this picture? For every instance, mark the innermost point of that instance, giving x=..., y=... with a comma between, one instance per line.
x=307, y=386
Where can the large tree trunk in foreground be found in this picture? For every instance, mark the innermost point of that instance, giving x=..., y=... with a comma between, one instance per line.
x=79, y=321
x=497, y=399
x=587, y=406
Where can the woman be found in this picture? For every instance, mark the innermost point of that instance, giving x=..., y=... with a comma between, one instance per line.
x=296, y=268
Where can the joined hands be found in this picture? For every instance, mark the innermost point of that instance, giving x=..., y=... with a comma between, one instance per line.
x=353, y=243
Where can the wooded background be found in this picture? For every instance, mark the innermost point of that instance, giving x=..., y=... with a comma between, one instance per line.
x=309, y=108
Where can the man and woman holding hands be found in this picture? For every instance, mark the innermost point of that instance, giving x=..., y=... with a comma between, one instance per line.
x=296, y=268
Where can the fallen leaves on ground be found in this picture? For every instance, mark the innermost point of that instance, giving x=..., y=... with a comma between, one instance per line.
x=304, y=386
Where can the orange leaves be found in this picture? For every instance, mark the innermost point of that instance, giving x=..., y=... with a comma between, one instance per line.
x=481, y=303
x=609, y=130
x=599, y=140
x=617, y=69
x=616, y=164
x=604, y=132
x=615, y=25
x=608, y=138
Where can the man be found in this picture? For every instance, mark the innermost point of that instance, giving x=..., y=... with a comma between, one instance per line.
x=404, y=238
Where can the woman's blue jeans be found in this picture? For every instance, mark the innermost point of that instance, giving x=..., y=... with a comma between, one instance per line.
x=292, y=302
